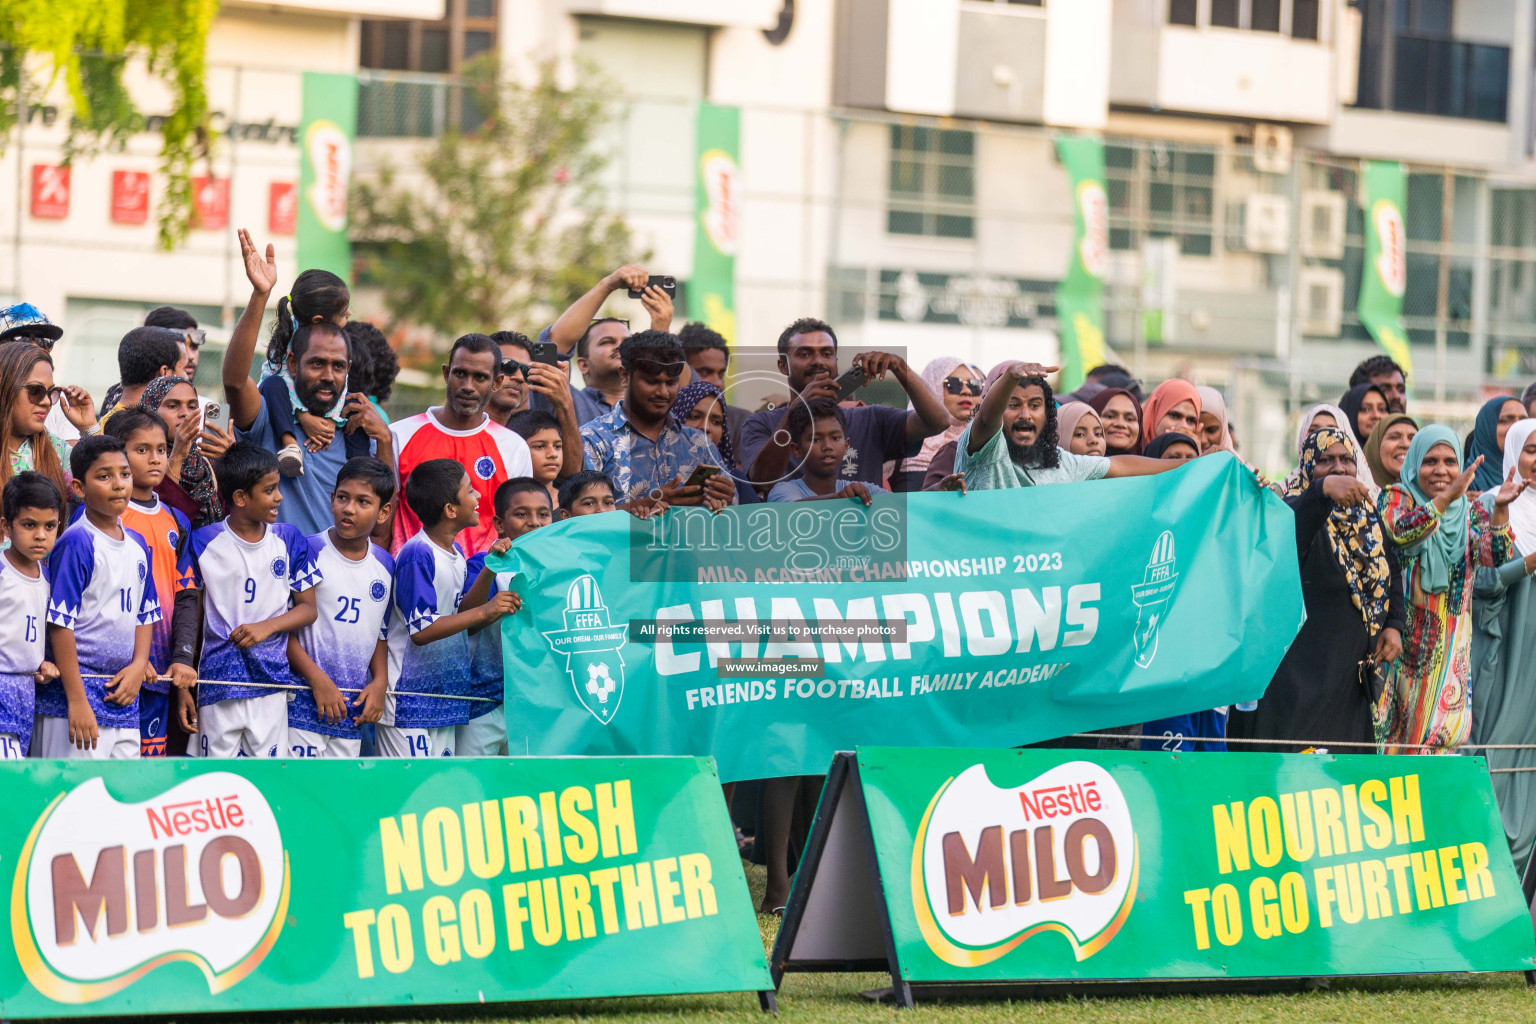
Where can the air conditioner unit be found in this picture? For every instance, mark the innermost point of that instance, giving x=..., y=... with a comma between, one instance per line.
x=1271, y=148
x=1322, y=300
x=1267, y=223
x=1322, y=224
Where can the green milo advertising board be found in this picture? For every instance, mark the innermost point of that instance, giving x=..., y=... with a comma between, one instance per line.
x=188, y=886
x=1027, y=865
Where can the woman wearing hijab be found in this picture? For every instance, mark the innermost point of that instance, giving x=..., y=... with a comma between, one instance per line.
x=1355, y=610
x=1173, y=405
x=958, y=385
x=1316, y=418
x=1365, y=405
x=1215, y=433
x=1121, y=415
x=1487, y=441
x=189, y=485
x=1388, y=445
x=701, y=405
x=1504, y=654
x=1441, y=539
x=1173, y=445
x=1079, y=429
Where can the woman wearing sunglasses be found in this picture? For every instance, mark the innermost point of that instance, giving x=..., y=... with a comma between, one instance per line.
x=27, y=395
x=958, y=385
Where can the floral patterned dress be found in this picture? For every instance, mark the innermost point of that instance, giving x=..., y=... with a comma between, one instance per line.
x=1427, y=698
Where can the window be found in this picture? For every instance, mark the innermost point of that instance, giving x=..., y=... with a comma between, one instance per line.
x=476, y=43
x=1451, y=79
x=1304, y=18
x=435, y=47
x=1424, y=17
x=397, y=46
x=932, y=182
x=1157, y=192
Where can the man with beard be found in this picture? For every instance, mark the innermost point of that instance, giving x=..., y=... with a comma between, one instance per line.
x=640, y=446
x=460, y=429
x=1012, y=440
x=877, y=434
x=1384, y=372
x=318, y=362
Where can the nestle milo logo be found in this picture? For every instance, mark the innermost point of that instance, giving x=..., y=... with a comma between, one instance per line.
x=993, y=866
x=107, y=891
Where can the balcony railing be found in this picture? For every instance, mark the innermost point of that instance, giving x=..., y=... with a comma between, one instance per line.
x=1444, y=77
x=397, y=104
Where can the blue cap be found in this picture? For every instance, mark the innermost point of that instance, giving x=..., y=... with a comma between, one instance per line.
x=24, y=320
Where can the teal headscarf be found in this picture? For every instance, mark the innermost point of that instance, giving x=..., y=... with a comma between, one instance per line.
x=1447, y=545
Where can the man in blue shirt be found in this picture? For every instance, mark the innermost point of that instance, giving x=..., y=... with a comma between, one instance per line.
x=640, y=445
x=319, y=364
x=877, y=434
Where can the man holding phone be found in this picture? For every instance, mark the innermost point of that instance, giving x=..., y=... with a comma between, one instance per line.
x=527, y=384
x=877, y=434
x=641, y=447
x=595, y=340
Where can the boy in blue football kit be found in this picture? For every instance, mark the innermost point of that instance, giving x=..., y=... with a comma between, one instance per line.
x=257, y=584
x=101, y=616
x=522, y=506
x=32, y=509
x=428, y=643
x=346, y=647
x=146, y=441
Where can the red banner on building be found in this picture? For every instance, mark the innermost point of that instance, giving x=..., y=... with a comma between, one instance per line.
x=210, y=203
x=50, y=191
x=130, y=197
x=282, y=208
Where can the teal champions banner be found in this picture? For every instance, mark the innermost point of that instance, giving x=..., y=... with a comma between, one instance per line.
x=994, y=618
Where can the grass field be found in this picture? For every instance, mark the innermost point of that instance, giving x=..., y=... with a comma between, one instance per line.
x=819, y=999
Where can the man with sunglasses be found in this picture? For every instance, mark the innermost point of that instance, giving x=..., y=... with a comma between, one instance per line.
x=877, y=434
x=640, y=446
x=529, y=385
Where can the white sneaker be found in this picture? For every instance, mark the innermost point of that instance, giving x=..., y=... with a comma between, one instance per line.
x=290, y=461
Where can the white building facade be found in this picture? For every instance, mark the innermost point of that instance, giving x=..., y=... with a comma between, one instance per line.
x=899, y=174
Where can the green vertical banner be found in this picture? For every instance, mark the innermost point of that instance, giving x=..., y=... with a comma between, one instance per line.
x=1385, y=275
x=712, y=289
x=327, y=127
x=1080, y=296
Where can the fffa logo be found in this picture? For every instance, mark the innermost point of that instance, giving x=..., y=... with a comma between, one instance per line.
x=1152, y=597
x=591, y=645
